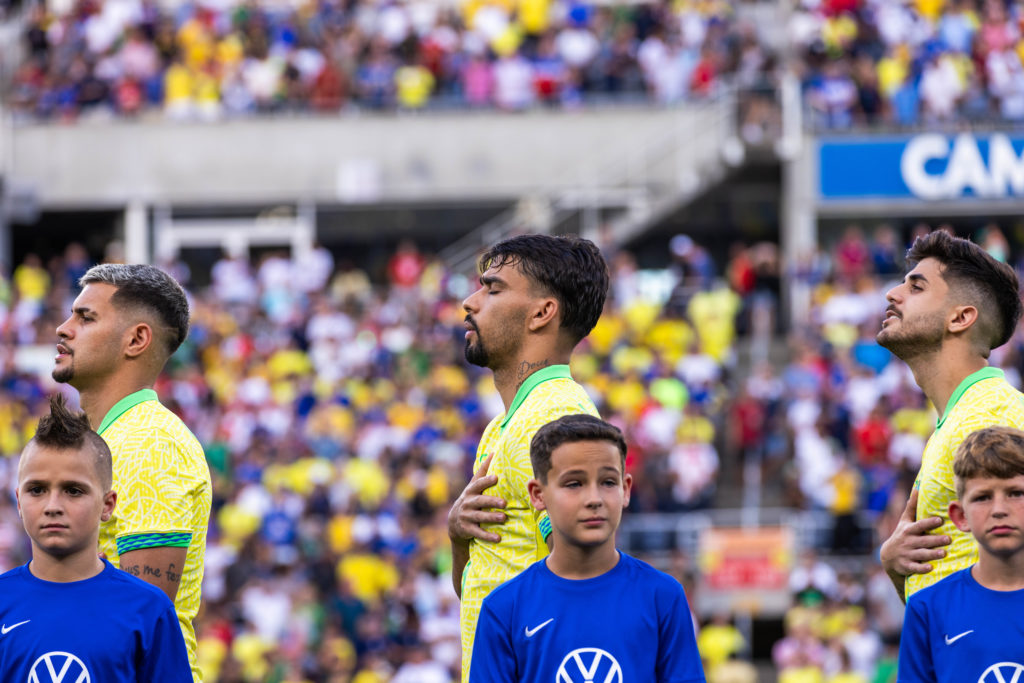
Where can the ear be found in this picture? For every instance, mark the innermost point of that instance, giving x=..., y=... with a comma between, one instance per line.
x=545, y=311
x=958, y=516
x=109, y=503
x=536, y=490
x=627, y=487
x=140, y=338
x=961, y=318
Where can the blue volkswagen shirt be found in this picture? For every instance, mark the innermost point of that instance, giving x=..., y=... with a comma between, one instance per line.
x=112, y=628
x=961, y=632
x=632, y=624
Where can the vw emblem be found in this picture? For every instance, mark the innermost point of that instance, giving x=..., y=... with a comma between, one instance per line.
x=1003, y=672
x=590, y=664
x=59, y=667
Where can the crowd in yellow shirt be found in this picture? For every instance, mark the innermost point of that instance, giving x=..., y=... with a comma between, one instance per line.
x=337, y=439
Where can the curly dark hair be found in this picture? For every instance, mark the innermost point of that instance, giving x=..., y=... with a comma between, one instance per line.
x=567, y=267
x=981, y=280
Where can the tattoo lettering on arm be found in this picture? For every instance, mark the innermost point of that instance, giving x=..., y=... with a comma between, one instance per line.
x=160, y=566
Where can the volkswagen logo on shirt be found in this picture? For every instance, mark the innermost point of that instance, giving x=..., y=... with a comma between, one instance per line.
x=590, y=665
x=59, y=667
x=1003, y=672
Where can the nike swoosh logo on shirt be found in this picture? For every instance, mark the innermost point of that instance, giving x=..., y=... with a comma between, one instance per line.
x=950, y=641
x=5, y=629
x=531, y=631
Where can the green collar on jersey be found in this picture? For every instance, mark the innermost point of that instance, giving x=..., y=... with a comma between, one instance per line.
x=124, y=405
x=531, y=382
x=984, y=373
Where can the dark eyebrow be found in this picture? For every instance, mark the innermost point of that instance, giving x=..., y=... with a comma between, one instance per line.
x=916, y=277
x=82, y=310
x=580, y=470
x=64, y=482
x=488, y=280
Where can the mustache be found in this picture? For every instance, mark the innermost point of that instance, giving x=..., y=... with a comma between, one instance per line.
x=469, y=320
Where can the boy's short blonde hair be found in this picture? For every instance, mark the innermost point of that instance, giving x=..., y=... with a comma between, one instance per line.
x=996, y=452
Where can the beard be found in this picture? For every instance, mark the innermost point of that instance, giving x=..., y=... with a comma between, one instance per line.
x=63, y=375
x=914, y=338
x=476, y=354
x=503, y=343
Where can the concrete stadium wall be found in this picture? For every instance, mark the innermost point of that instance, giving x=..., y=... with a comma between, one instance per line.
x=352, y=159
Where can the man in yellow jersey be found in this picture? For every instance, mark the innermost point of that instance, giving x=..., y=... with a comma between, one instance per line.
x=124, y=325
x=539, y=296
x=955, y=306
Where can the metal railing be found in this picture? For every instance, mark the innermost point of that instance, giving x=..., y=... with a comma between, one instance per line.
x=672, y=167
x=665, y=532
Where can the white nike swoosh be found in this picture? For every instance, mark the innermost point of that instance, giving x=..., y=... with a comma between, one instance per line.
x=950, y=641
x=5, y=629
x=531, y=631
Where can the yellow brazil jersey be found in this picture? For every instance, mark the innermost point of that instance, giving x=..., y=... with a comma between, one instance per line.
x=545, y=396
x=163, y=495
x=983, y=399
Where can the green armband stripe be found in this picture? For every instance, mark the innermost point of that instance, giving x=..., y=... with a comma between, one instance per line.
x=545, y=527
x=140, y=541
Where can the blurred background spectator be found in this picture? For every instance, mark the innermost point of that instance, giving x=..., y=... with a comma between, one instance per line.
x=340, y=419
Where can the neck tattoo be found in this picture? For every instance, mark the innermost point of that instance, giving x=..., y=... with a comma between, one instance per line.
x=527, y=368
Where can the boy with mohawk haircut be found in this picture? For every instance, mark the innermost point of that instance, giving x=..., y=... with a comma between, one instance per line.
x=55, y=618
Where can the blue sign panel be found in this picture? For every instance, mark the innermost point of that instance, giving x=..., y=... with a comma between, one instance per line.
x=928, y=167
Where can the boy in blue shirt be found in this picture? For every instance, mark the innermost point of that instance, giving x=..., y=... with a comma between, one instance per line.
x=969, y=626
x=68, y=615
x=587, y=612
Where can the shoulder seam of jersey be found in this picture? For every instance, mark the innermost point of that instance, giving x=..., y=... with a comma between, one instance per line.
x=124, y=405
x=532, y=382
x=987, y=372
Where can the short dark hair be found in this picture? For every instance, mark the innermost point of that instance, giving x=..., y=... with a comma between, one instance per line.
x=571, y=429
x=985, y=282
x=149, y=288
x=67, y=430
x=996, y=452
x=568, y=267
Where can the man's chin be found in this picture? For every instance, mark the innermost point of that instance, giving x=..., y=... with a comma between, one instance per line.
x=475, y=356
x=62, y=375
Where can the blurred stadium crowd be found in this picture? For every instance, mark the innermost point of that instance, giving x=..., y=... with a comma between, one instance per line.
x=340, y=420
x=209, y=60
x=859, y=61
x=906, y=63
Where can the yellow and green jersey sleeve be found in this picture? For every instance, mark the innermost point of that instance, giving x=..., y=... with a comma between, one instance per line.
x=983, y=399
x=545, y=396
x=164, y=495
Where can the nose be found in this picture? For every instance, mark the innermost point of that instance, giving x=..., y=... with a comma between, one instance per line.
x=53, y=507
x=593, y=499
x=64, y=329
x=999, y=505
x=468, y=304
x=892, y=295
